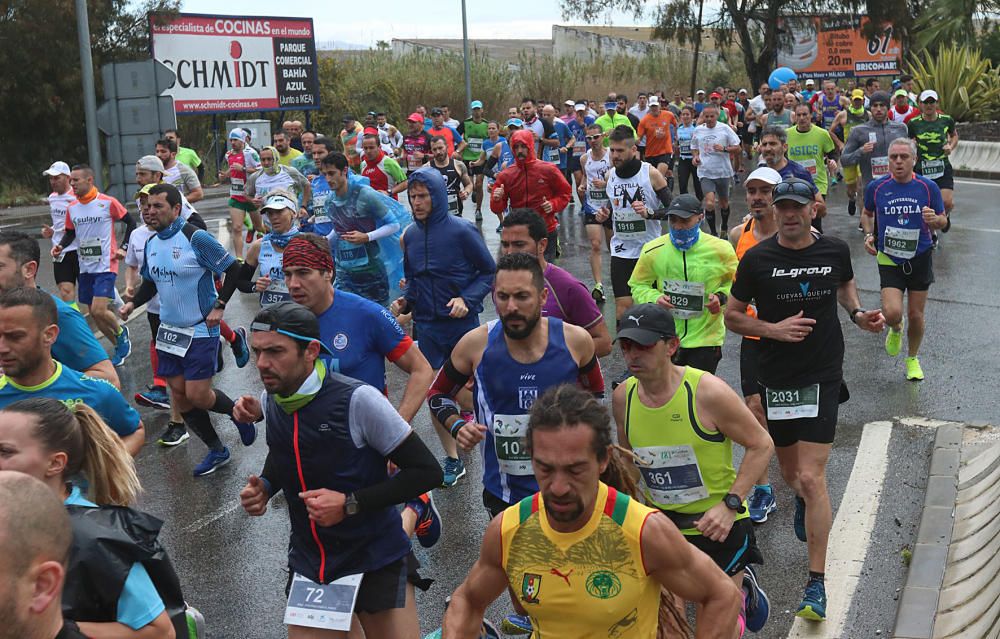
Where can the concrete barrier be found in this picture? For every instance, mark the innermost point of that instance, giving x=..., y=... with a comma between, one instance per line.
x=977, y=159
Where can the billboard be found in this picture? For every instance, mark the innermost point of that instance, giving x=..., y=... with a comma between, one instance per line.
x=226, y=64
x=836, y=47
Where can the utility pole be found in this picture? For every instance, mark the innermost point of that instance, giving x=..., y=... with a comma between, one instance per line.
x=697, y=49
x=89, y=94
x=465, y=54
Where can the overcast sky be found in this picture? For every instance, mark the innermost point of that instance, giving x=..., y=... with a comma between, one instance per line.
x=409, y=19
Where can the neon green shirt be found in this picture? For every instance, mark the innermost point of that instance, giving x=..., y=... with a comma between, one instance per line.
x=188, y=156
x=809, y=149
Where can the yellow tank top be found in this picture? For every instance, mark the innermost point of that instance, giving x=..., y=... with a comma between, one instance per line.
x=588, y=584
x=685, y=469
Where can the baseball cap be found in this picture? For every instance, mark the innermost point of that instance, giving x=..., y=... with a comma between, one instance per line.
x=238, y=134
x=415, y=117
x=518, y=122
x=647, y=324
x=715, y=94
x=570, y=103
x=684, y=206
x=370, y=130
x=144, y=191
x=765, y=174
x=925, y=95
x=437, y=111
x=150, y=163
x=858, y=94
x=700, y=92
x=476, y=104
x=810, y=82
x=794, y=189
x=61, y=168
x=653, y=100
x=290, y=319
x=879, y=97
x=743, y=91
x=900, y=92
x=279, y=202
x=348, y=118
x=581, y=107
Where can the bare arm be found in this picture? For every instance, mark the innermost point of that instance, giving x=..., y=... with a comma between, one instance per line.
x=134, y=441
x=159, y=628
x=414, y=364
x=602, y=338
x=104, y=370
x=195, y=195
x=486, y=581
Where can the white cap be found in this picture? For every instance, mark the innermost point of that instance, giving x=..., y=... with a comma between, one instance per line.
x=150, y=163
x=810, y=82
x=654, y=100
x=926, y=93
x=580, y=106
x=569, y=103
x=279, y=202
x=60, y=168
x=701, y=91
x=765, y=174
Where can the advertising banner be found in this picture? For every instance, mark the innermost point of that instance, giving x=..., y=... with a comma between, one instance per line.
x=226, y=64
x=836, y=47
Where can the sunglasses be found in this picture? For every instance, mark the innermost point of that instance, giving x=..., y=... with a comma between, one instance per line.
x=796, y=188
x=594, y=137
x=930, y=101
x=629, y=345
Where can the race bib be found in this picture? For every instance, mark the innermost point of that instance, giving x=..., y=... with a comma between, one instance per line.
x=510, y=436
x=880, y=166
x=792, y=403
x=351, y=256
x=175, y=340
x=453, y=202
x=810, y=165
x=628, y=224
x=236, y=186
x=328, y=606
x=671, y=474
x=932, y=169
x=413, y=163
x=901, y=243
x=319, y=201
x=597, y=197
x=277, y=291
x=685, y=147
x=579, y=147
x=322, y=219
x=687, y=298
x=91, y=250
x=551, y=155
x=476, y=144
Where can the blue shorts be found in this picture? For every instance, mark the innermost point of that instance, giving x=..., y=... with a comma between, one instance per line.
x=436, y=339
x=93, y=285
x=198, y=363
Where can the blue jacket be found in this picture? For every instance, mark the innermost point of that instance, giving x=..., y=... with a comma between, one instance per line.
x=445, y=257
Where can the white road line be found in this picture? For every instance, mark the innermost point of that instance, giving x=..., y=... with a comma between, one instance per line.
x=207, y=520
x=977, y=182
x=851, y=533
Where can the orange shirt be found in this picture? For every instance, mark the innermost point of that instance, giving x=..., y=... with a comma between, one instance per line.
x=657, y=132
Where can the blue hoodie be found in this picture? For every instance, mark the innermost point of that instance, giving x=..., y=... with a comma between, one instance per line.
x=445, y=257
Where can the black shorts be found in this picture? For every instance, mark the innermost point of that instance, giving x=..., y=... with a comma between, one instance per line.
x=494, y=505
x=818, y=430
x=589, y=219
x=661, y=159
x=68, y=270
x=573, y=163
x=384, y=588
x=621, y=271
x=946, y=181
x=705, y=358
x=916, y=274
x=733, y=554
x=474, y=169
x=750, y=366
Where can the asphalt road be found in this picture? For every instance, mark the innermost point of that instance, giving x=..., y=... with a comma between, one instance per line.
x=233, y=566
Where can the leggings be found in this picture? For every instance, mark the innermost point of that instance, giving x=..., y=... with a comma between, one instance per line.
x=685, y=168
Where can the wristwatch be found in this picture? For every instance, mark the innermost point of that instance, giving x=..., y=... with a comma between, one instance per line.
x=854, y=314
x=219, y=304
x=734, y=502
x=351, y=506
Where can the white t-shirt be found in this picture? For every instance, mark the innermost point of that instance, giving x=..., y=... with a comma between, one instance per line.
x=714, y=164
x=58, y=203
x=135, y=256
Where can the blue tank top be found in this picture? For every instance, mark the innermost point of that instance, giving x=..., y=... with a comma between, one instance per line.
x=504, y=391
x=830, y=110
x=269, y=263
x=321, y=223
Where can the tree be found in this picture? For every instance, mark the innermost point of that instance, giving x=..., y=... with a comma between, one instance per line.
x=41, y=94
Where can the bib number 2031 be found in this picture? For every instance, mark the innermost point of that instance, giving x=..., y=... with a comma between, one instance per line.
x=792, y=403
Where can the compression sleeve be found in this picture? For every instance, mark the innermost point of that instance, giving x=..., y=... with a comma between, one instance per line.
x=442, y=392
x=146, y=292
x=419, y=472
x=230, y=282
x=590, y=377
x=382, y=231
x=244, y=281
x=68, y=236
x=665, y=197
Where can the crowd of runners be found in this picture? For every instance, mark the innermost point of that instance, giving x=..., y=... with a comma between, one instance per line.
x=612, y=495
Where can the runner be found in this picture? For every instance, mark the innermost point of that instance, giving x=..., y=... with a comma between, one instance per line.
x=341, y=501
x=852, y=115
x=66, y=267
x=416, y=143
x=596, y=166
x=149, y=170
x=711, y=146
x=685, y=158
x=773, y=151
x=178, y=173
x=28, y=325
x=90, y=220
x=689, y=273
x=902, y=111
x=455, y=175
x=567, y=298
x=558, y=142
x=809, y=91
x=542, y=547
x=318, y=221
x=242, y=161
x=614, y=116
x=185, y=155
x=761, y=225
x=795, y=280
x=274, y=176
x=382, y=171
x=777, y=115
x=456, y=143
x=677, y=418
x=475, y=130
x=180, y=262
x=930, y=129
x=350, y=136
x=389, y=137
x=636, y=113
x=578, y=125
x=305, y=164
x=829, y=105
x=542, y=352
x=265, y=253
x=906, y=208
x=813, y=148
x=495, y=157
x=449, y=272
x=658, y=127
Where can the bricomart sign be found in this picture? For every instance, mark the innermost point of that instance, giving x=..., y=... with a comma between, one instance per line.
x=837, y=47
x=238, y=63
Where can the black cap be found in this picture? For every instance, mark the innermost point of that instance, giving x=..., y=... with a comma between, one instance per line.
x=794, y=189
x=685, y=206
x=349, y=118
x=647, y=324
x=437, y=111
x=290, y=319
x=880, y=97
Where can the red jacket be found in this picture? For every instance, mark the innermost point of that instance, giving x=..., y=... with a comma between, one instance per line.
x=527, y=183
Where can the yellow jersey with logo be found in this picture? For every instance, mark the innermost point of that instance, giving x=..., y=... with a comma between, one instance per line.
x=587, y=584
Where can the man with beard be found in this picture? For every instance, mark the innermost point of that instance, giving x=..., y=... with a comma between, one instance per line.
x=455, y=175
x=521, y=345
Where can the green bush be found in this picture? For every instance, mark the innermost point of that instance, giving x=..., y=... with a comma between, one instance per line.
x=967, y=84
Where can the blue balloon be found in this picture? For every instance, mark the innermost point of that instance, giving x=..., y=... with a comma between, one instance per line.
x=780, y=76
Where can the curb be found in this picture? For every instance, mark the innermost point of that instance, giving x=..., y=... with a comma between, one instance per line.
x=918, y=602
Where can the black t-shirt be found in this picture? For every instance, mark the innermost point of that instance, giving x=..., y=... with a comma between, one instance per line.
x=781, y=282
x=70, y=631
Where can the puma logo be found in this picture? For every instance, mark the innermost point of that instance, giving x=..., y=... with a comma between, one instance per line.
x=636, y=319
x=555, y=571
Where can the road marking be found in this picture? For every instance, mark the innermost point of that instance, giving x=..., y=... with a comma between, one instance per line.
x=207, y=520
x=851, y=533
x=977, y=183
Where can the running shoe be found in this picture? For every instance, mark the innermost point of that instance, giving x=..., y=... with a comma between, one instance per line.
x=913, y=371
x=489, y=631
x=799, y=522
x=428, y=520
x=123, y=346
x=934, y=240
x=598, y=294
x=154, y=397
x=214, y=460
x=894, y=342
x=479, y=215
x=241, y=352
x=175, y=434
x=195, y=622
x=516, y=625
x=724, y=234
x=454, y=469
x=248, y=431
x=813, y=604
x=852, y=207
x=761, y=504
x=758, y=606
